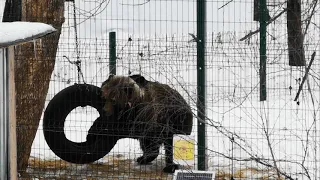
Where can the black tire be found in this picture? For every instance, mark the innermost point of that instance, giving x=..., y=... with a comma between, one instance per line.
x=53, y=125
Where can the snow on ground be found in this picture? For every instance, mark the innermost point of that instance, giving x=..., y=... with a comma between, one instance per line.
x=233, y=106
x=15, y=32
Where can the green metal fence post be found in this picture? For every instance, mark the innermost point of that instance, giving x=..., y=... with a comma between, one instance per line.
x=201, y=40
x=112, y=53
x=263, y=43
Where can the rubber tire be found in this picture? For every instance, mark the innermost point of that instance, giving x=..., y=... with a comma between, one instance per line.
x=53, y=125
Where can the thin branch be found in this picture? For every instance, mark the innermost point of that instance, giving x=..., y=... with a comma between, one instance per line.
x=139, y=4
x=272, y=153
x=269, y=22
x=305, y=76
x=313, y=123
x=309, y=18
x=225, y=4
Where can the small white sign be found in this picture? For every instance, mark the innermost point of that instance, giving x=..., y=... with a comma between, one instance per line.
x=184, y=149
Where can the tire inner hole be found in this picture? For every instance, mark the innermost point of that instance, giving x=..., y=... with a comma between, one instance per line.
x=78, y=123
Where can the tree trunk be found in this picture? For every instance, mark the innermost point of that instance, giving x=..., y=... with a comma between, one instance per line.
x=34, y=65
x=295, y=36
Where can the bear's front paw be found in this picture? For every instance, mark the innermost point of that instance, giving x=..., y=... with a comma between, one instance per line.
x=143, y=160
x=170, y=168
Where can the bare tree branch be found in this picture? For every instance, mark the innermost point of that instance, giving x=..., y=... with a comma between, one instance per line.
x=269, y=22
x=315, y=2
x=225, y=4
x=139, y=4
x=305, y=76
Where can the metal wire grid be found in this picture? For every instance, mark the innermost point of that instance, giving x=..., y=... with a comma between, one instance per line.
x=243, y=134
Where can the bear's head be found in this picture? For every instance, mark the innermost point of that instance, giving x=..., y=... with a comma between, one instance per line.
x=121, y=90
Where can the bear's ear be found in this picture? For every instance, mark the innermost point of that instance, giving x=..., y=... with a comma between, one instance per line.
x=110, y=76
x=140, y=80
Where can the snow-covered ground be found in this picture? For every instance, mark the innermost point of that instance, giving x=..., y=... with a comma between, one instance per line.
x=234, y=109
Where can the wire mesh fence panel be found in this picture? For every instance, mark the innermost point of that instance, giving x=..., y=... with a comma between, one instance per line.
x=78, y=122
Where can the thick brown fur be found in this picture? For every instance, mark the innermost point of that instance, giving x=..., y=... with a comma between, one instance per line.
x=160, y=110
x=121, y=91
x=161, y=106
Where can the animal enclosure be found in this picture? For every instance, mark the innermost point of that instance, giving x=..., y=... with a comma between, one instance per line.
x=246, y=136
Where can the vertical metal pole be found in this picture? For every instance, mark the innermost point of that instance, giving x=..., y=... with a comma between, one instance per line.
x=4, y=114
x=263, y=44
x=112, y=53
x=201, y=35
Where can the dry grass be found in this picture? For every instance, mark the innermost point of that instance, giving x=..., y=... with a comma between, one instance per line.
x=116, y=167
x=248, y=173
x=37, y=163
x=112, y=168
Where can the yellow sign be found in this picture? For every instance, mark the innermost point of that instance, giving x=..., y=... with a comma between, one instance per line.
x=183, y=149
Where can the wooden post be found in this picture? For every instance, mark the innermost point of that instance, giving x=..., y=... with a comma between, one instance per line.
x=295, y=36
x=12, y=118
x=263, y=50
x=12, y=11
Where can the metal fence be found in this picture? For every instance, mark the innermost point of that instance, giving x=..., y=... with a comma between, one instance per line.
x=245, y=138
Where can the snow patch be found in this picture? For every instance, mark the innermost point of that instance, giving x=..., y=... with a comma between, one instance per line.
x=16, y=32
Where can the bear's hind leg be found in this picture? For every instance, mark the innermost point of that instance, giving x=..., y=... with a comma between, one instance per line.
x=170, y=166
x=150, y=148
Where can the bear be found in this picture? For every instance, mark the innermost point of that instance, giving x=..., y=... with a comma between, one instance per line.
x=158, y=110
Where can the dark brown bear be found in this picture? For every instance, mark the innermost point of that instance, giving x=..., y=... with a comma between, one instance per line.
x=159, y=111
